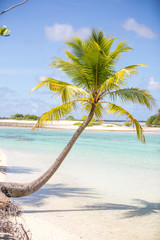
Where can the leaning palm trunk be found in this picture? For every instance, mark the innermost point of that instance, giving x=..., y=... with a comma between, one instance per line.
x=20, y=190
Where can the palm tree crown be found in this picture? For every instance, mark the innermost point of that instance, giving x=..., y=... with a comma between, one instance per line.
x=95, y=83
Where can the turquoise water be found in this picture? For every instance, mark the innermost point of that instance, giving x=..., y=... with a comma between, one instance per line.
x=101, y=155
x=97, y=147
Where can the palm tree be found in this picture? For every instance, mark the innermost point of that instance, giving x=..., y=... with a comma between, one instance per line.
x=4, y=32
x=96, y=86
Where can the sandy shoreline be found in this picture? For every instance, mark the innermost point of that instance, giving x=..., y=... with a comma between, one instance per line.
x=40, y=229
x=3, y=165
x=69, y=125
x=65, y=210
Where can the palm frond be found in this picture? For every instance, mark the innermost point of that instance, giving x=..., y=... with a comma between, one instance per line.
x=86, y=106
x=119, y=111
x=113, y=56
x=72, y=57
x=135, y=95
x=74, y=71
x=65, y=90
x=55, y=114
x=99, y=111
x=121, y=47
x=94, y=65
x=77, y=46
x=103, y=41
x=119, y=78
x=97, y=36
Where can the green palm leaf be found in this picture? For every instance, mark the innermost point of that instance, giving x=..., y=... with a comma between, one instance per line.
x=135, y=95
x=119, y=78
x=77, y=47
x=99, y=111
x=4, y=31
x=121, y=47
x=119, y=111
x=72, y=57
x=74, y=71
x=104, y=42
x=65, y=90
x=55, y=114
x=86, y=107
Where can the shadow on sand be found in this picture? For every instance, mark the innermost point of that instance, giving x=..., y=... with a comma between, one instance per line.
x=58, y=190
x=140, y=208
x=18, y=170
x=2, y=169
x=147, y=208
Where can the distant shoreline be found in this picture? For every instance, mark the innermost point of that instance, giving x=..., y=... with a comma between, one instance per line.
x=69, y=125
x=106, y=121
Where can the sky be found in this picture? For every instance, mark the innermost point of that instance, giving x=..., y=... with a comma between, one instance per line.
x=39, y=29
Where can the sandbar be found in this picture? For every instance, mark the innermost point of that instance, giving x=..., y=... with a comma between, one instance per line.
x=69, y=125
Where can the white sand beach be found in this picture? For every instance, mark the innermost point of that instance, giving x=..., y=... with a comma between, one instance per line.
x=3, y=165
x=65, y=124
x=40, y=229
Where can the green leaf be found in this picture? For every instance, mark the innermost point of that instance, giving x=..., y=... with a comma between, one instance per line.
x=55, y=114
x=119, y=111
x=4, y=31
x=65, y=90
x=134, y=95
x=119, y=78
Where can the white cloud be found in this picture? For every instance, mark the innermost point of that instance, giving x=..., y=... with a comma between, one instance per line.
x=83, y=32
x=140, y=29
x=11, y=106
x=61, y=32
x=41, y=78
x=5, y=90
x=153, y=84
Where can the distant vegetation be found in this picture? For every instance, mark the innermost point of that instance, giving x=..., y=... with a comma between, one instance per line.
x=93, y=122
x=24, y=117
x=99, y=122
x=3, y=118
x=79, y=123
x=128, y=124
x=154, y=121
x=84, y=117
x=71, y=118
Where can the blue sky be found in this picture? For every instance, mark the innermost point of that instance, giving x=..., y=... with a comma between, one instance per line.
x=39, y=29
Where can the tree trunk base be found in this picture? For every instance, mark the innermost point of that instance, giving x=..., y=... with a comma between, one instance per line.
x=4, y=201
x=12, y=226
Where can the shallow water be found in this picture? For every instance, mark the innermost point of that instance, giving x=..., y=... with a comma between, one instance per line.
x=111, y=162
